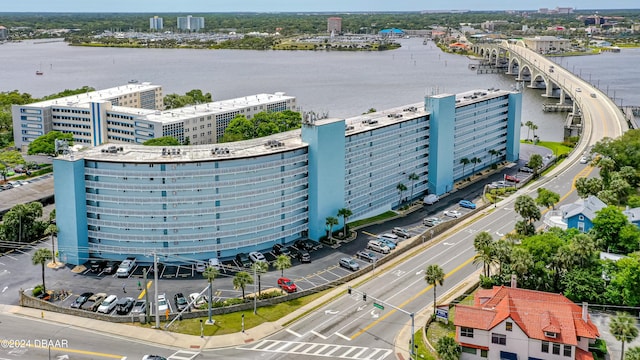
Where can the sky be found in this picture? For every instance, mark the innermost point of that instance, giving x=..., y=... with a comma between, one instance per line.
x=208, y=6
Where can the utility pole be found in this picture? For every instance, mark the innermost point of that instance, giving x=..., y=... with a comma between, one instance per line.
x=155, y=288
x=147, y=308
x=255, y=296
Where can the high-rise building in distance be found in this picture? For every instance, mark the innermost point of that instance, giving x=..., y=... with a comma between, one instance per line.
x=190, y=23
x=155, y=23
x=334, y=24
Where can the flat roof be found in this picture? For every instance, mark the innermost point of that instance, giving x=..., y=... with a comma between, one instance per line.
x=370, y=121
x=285, y=141
x=80, y=99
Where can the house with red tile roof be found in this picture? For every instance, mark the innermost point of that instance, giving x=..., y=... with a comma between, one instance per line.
x=519, y=324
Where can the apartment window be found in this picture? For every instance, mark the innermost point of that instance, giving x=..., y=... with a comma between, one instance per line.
x=545, y=347
x=466, y=332
x=499, y=339
x=567, y=350
x=469, y=350
x=484, y=353
x=508, y=326
x=556, y=349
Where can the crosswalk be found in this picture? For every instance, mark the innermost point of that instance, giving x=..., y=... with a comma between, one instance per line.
x=183, y=355
x=318, y=349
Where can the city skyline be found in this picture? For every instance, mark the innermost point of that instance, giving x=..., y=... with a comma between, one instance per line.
x=205, y=6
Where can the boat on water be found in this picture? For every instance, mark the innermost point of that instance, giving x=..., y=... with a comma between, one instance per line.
x=39, y=72
x=133, y=81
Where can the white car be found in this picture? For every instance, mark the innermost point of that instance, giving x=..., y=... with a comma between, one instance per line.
x=584, y=160
x=196, y=300
x=453, y=213
x=108, y=304
x=201, y=266
x=431, y=199
x=255, y=256
x=163, y=305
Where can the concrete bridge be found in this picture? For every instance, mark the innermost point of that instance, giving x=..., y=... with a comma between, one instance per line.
x=601, y=117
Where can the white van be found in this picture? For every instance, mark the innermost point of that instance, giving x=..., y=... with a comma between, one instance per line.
x=431, y=199
x=391, y=237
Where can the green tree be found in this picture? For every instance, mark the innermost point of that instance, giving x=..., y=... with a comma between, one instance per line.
x=584, y=284
x=607, y=166
x=241, y=280
x=607, y=226
x=535, y=163
x=493, y=152
x=485, y=254
x=413, y=177
x=401, y=189
x=8, y=160
x=40, y=257
x=45, y=144
x=345, y=213
x=624, y=282
x=475, y=161
x=22, y=224
x=464, y=161
x=623, y=327
x=198, y=97
x=282, y=262
x=588, y=186
x=162, y=141
x=331, y=221
x=630, y=175
x=52, y=230
x=448, y=349
x=434, y=275
x=526, y=207
x=633, y=353
x=529, y=125
x=210, y=274
x=259, y=268
x=547, y=198
x=240, y=128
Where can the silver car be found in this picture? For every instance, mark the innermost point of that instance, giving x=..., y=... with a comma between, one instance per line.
x=349, y=264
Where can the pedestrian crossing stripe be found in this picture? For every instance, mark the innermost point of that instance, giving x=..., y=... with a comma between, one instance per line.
x=319, y=349
x=178, y=355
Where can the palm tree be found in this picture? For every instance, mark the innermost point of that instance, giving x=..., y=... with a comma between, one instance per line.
x=485, y=254
x=448, y=349
x=475, y=161
x=464, y=161
x=528, y=124
x=493, y=152
x=623, y=328
x=413, y=177
x=633, y=353
x=210, y=273
x=345, y=214
x=434, y=275
x=534, y=127
x=401, y=188
x=241, y=280
x=52, y=230
x=41, y=256
x=259, y=268
x=283, y=262
x=331, y=222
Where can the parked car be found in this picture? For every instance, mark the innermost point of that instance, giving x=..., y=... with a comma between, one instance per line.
x=431, y=199
x=201, y=266
x=196, y=300
x=512, y=178
x=402, y=232
x=279, y=249
x=387, y=242
x=97, y=266
x=108, y=304
x=153, y=357
x=308, y=245
x=500, y=184
x=139, y=307
x=376, y=245
x=431, y=221
x=124, y=305
x=80, y=300
x=453, y=213
x=94, y=301
x=467, y=204
x=242, y=260
x=389, y=236
x=255, y=256
x=180, y=301
x=163, y=305
x=526, y=169
x=584, y=160
x=301, y=255
x=287, y=285
x=578, y=89
x=215, y=263
x=126, y=266
x=367, y=255
x=349, y=263
x=111, y=267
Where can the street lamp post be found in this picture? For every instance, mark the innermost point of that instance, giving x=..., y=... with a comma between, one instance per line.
x=255, y=298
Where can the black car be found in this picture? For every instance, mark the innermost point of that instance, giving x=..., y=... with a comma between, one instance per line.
x=307, y=245
x=111, y=267
x=181, y=301
x=124, y=305
x=242, y=260
x=81, y=300
x=97, y=266
x=301, y=255
x=279, y=249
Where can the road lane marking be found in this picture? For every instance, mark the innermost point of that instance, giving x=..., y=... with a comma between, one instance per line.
x=293, y=333
x=342, y=336
x=370, y=234
x=77, y=351
x=318, y=335
x=422, y=292
x=321, y=350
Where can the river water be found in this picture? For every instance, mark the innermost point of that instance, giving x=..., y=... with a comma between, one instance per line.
x=344, y=84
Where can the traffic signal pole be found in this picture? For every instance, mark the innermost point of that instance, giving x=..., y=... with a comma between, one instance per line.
x=380, y=304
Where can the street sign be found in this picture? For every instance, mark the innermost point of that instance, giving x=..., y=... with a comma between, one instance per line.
x=376, y=305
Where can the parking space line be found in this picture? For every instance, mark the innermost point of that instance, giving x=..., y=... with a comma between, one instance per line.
x=318, y=335
x=342, y=336
x=293, y=333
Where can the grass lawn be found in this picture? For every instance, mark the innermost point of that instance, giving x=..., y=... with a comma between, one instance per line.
x=556, y=147
x=422, y=350
x=438, y=329
x=232, y=322
x=383, y=216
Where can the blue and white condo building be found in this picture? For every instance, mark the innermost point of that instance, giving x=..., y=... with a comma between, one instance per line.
x=197, y=202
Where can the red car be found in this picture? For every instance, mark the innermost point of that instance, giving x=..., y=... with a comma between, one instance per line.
x=287, y=285
x=511, y=178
